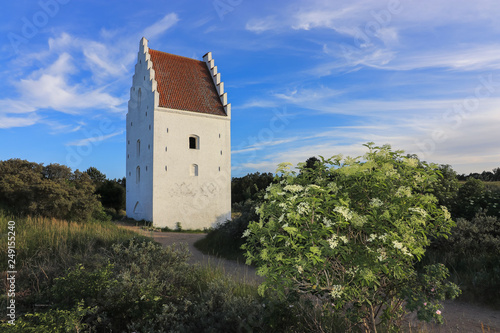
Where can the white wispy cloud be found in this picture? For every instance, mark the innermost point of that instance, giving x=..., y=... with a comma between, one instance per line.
x=17, y=121
x=85, y=141
x=76, y=75
x=161, y=26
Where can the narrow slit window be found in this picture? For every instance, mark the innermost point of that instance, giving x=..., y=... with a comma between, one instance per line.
x=138, y=175
x=139, y=98
x=194, y=170
x=138, y=148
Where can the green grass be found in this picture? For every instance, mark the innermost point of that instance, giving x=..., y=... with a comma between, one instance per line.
x=217, y=245
x=39, y=237
x=493, y=185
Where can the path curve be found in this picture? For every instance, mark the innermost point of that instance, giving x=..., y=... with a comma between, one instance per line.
x=239, y=271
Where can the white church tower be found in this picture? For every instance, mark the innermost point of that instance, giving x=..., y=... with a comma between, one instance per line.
x=178, y=142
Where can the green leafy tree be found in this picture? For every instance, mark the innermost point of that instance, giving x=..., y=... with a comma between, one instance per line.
x=28, y=188
x=249, y=186
x=348, y=234
x=97, y=176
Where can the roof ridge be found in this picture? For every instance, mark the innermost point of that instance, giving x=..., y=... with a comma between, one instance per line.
x=175, y=55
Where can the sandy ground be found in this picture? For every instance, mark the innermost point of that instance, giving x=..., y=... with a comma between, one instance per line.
x=459, y=317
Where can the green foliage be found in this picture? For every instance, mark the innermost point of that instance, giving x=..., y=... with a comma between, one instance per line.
x=445, y=188
x=424, y=294
x=478, y=235
x=249, y=186
x=96, y=176
x=53, y=321
x=225, y=240
x=348, y=232
x=473, y=197
x=472, y=254
x=28, y=188
x=112, y=194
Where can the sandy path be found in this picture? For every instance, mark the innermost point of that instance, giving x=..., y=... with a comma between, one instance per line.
x=239, y=271
x=459, y=317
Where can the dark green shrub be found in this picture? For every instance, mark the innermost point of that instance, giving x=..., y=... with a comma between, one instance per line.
x=226, y=240
x=474, y=197
x=472, y=255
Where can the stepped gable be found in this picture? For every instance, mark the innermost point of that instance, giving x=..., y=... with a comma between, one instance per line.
x=186, y=84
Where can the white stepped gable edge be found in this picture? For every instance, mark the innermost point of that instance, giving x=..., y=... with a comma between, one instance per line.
x=217, y=81
x=144, y=59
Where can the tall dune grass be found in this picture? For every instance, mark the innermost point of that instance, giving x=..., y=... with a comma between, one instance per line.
x=39, y=237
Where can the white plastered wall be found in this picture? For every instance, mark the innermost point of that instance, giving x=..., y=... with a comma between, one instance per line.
x=195, y=201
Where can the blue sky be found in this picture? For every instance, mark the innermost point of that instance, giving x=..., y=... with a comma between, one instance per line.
x=304, y=78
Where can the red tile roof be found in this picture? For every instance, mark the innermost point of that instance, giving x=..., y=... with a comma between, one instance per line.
x=185, y=84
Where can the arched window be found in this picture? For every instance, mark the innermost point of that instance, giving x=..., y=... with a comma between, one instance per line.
x=194, y=142
x=194, y=170
x=138, y=148
x=137, y=175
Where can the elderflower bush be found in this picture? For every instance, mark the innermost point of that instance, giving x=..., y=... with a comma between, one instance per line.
x=348, y=232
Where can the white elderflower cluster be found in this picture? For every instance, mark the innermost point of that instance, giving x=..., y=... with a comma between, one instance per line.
x=397, y=245
x=312, y=186
x=293, y=188
x=403, y=191
x=391, y=173
x=371, y=238
x=418, y=178
x=344, y=239
x=327, y=222
x=376, y=202
x=418, y=210
x=333, y=242
x=346, y=213
x=446, y=213
x=352, y=270
x=303, y=208
x=382, y=254
x=411, y=162
x=282, y=204
x=333, y=187
x=400, y=246
x=336, y=291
